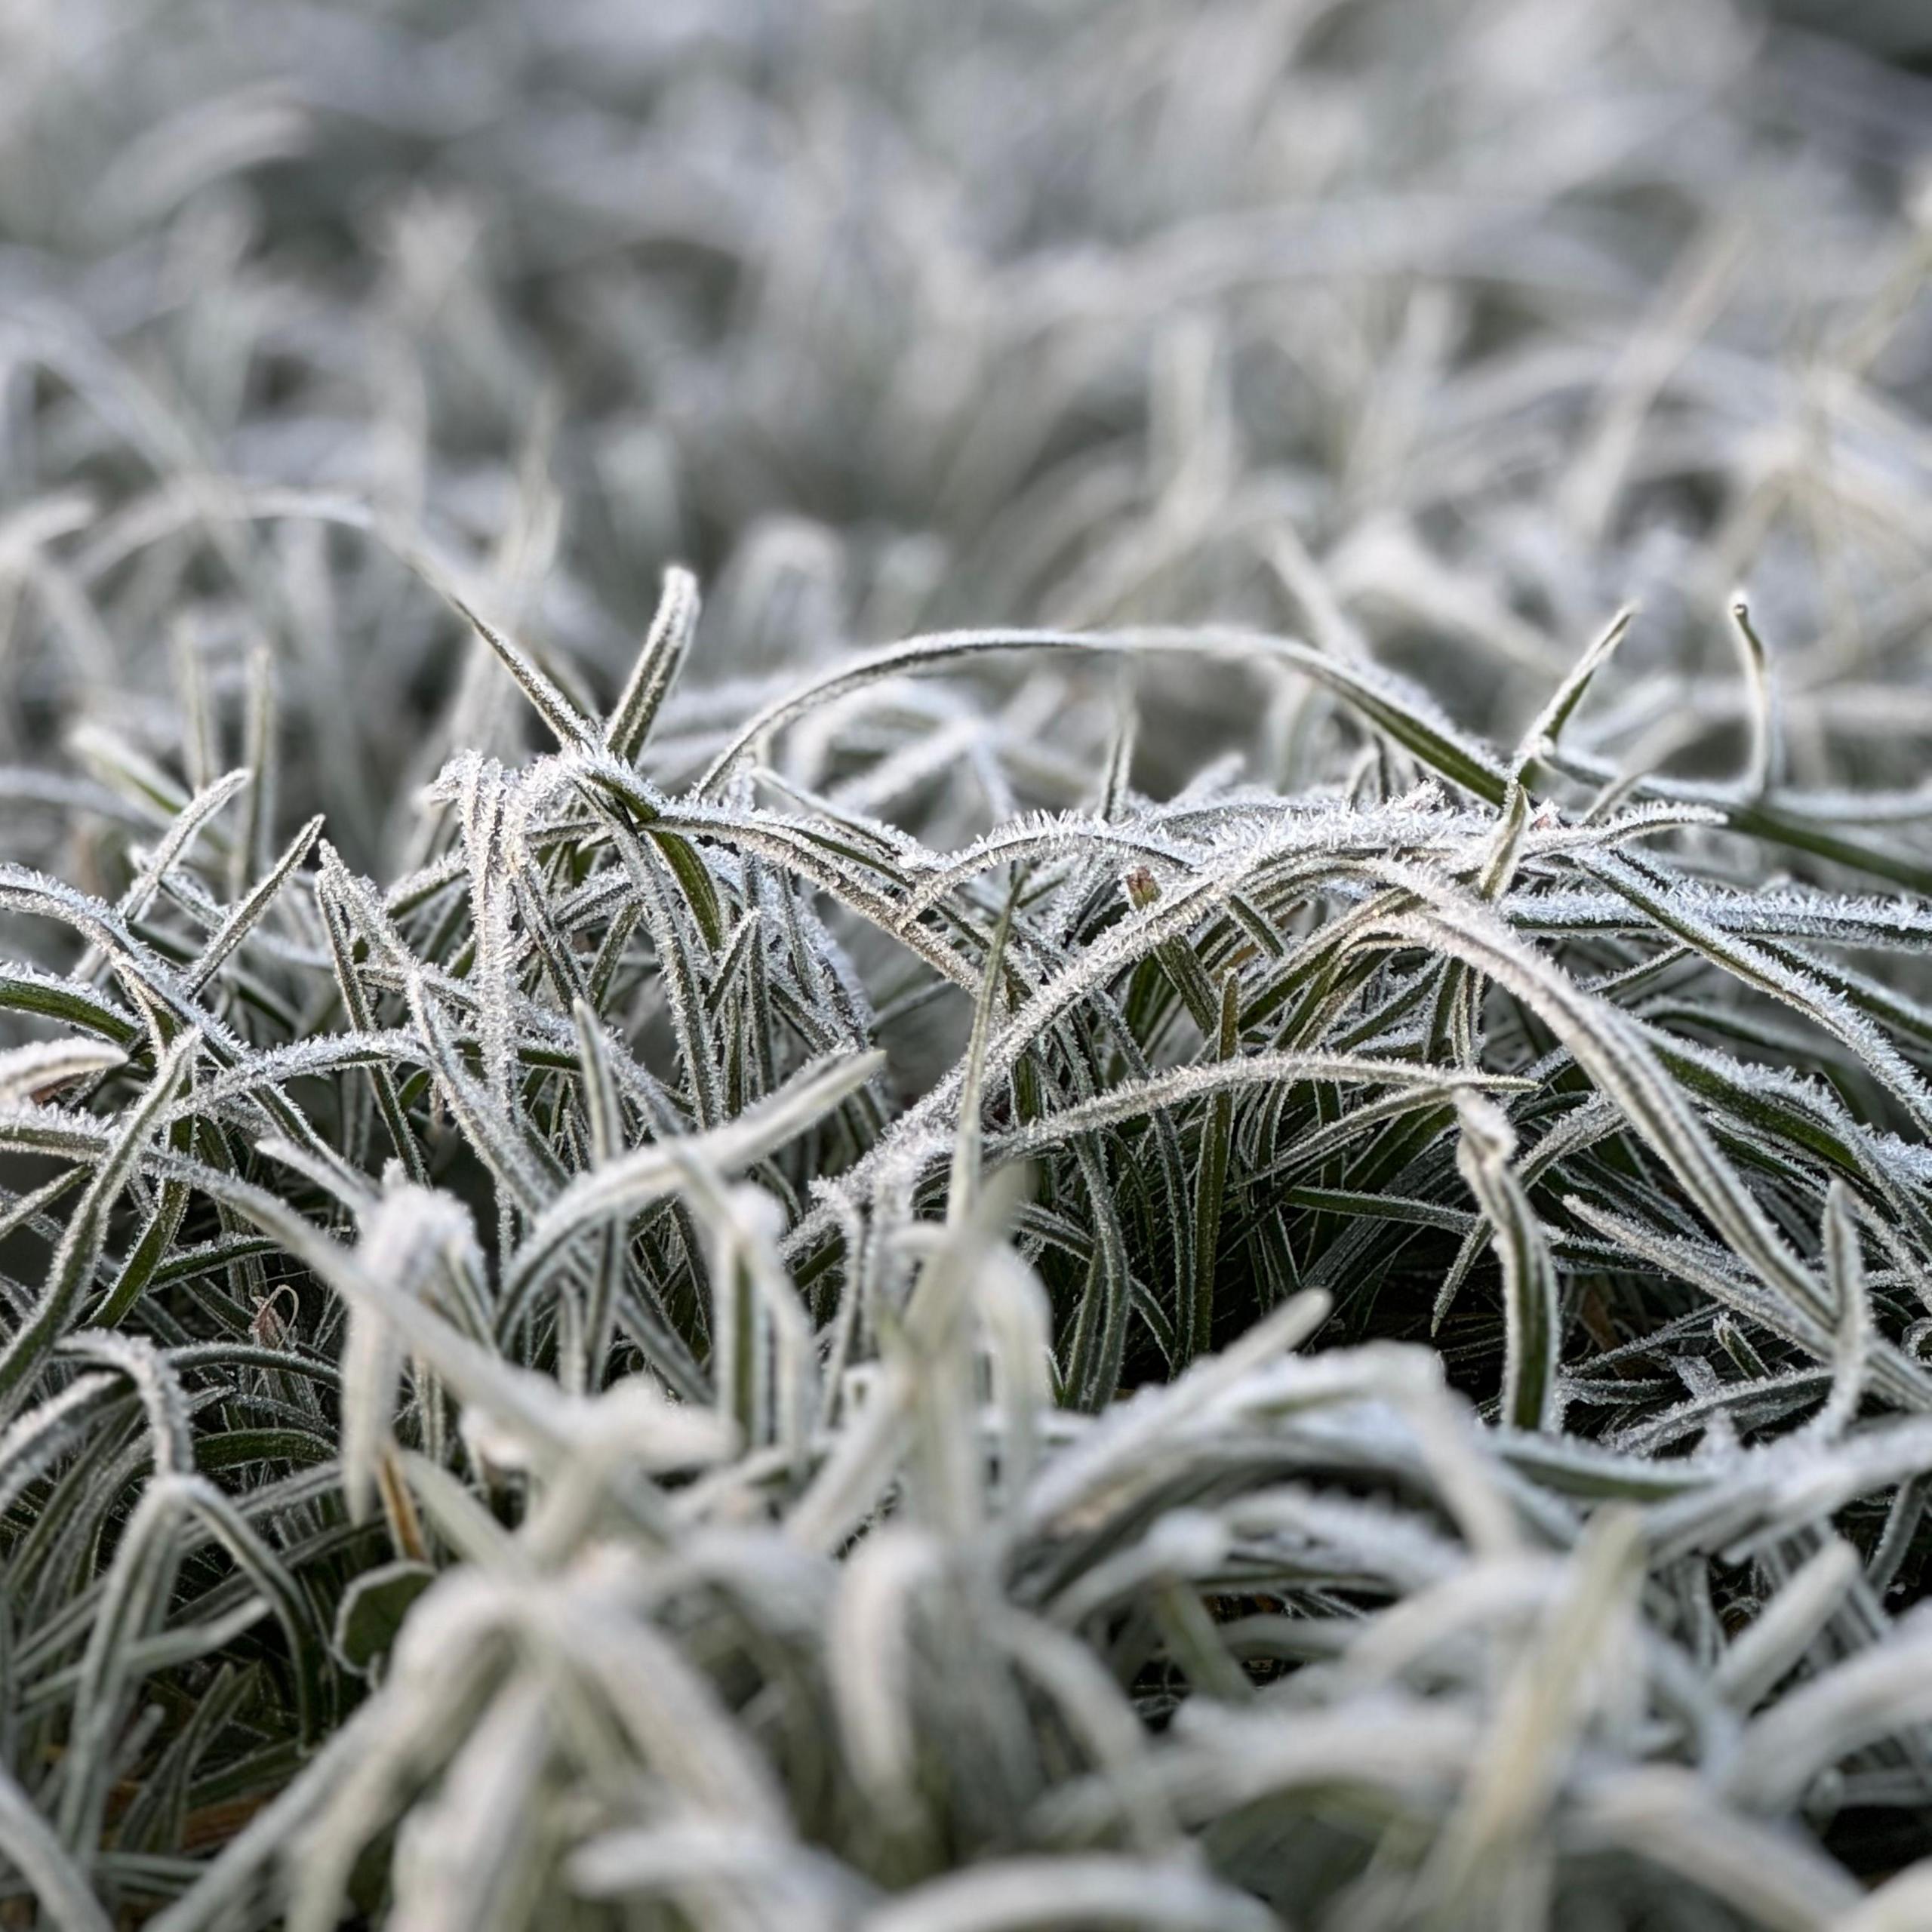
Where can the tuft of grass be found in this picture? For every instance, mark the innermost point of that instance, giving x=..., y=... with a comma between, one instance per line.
x=1248, y=1247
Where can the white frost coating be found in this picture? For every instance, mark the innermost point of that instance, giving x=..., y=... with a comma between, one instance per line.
x=1154, y=489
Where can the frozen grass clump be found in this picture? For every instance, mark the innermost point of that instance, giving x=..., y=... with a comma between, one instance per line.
x=1252, y=1247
